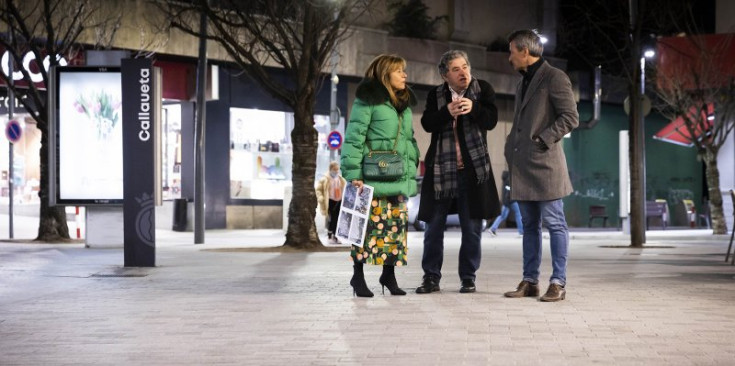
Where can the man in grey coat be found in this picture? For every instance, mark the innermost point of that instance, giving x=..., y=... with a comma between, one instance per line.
x=545, y=111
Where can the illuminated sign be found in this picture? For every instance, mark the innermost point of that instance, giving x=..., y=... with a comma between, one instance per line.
x=88, y=135
x=29, y=57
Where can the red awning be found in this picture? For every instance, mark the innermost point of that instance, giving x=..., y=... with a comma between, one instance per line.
x=676, y=132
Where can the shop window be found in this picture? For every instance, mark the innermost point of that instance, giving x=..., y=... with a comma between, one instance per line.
x=261, y=153
x=171, y=151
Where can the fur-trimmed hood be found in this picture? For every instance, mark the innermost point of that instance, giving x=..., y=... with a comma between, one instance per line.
x=373, y=92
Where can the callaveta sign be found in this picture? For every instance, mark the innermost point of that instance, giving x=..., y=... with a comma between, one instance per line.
x=139, y=161
x=144, y=115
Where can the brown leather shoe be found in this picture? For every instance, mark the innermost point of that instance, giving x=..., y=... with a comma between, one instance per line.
x=555, y=293
x=524, y=289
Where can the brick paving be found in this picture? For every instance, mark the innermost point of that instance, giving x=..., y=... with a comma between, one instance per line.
x=63, y=304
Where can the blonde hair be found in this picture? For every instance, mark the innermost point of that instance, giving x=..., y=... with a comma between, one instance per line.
x=333, y=165
x=380, y=69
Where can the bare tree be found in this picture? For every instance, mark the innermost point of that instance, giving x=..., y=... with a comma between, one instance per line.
x=695, y=84
x=49, y=30
x=612, y=34
x=297, y=35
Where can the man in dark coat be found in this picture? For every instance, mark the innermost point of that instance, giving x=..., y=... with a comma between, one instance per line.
x=545, y=111
x=458, y=178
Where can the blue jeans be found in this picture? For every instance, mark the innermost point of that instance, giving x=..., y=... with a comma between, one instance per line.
x=551, y=214
x=469, y=251
x=504, y=215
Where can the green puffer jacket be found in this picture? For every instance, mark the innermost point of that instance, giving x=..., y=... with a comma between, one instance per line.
x=374, y=125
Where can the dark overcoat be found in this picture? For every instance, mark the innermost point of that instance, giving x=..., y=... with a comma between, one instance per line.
x=484, y=114
x=548, y=110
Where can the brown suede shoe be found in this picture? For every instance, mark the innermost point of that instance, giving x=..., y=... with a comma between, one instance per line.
x=554, y=293
x=524, y=289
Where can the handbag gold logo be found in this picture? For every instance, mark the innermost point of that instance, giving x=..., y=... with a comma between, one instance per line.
x=382, y=164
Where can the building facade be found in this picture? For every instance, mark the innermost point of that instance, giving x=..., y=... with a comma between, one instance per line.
x=248, y=154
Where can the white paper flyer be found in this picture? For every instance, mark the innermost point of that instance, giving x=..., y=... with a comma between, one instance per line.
x=354, y=214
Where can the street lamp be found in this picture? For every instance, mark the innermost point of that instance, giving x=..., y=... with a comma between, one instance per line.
x=647, y=54
x=644, y=109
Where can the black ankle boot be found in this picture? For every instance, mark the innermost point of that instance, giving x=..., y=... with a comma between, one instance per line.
x=359, y=287
x=388, y=279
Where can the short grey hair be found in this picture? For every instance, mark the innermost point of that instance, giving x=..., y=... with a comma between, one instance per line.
x=447, y=57
x=527, y=38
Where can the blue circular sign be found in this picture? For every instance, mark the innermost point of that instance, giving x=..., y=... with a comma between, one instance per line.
x=334, y=140
x=13, y=131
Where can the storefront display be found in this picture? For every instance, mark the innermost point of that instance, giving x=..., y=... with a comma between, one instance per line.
x=261, y=153
x=171, y=151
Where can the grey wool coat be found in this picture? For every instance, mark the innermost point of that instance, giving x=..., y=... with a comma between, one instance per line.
x=548, y=111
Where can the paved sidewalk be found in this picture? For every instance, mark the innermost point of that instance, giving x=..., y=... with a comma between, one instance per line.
x=670, y=304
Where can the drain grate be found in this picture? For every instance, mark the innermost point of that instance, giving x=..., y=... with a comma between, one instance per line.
x=644, y=247
x=118, y=275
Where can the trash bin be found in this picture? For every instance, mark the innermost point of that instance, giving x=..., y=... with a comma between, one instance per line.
x=180, y=215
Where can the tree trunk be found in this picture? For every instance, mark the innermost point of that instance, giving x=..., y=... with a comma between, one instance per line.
x=301, y=232
x=52, y=220
x=719, y=225
x=637, y=182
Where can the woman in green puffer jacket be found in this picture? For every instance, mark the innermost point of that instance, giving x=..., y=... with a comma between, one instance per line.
x=383, y=102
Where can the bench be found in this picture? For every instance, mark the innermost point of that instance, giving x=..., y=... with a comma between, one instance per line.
x=656, y=209
x=597, y=212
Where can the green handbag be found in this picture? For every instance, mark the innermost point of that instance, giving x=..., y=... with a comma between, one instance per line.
x=384, y=165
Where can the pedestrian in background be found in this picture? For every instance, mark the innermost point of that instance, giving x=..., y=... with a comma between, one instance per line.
x=380, y=120
x=458, y=178
x=545, y=111
x=508, y=205
x=329, y=195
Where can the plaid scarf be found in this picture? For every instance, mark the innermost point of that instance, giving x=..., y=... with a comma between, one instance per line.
x=445, y=159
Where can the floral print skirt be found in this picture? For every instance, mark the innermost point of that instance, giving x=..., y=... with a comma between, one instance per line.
x=385, y=240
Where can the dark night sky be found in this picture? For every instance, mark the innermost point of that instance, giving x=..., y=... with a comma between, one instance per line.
x=583, y=46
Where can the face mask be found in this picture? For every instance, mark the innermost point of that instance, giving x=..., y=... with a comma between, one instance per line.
x=333, y=174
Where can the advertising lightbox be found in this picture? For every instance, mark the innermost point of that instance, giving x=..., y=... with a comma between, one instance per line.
x=86, y=136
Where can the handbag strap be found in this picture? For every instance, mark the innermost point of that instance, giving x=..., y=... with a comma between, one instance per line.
x=395, y=143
